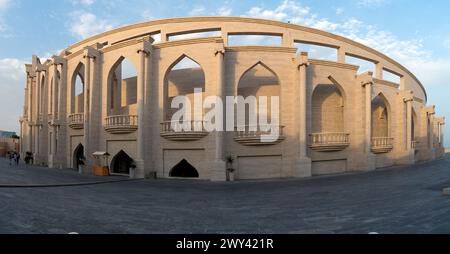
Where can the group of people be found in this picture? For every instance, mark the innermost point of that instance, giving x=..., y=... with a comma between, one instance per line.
x=14, y=158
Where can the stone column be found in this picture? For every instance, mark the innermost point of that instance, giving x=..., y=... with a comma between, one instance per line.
x=30, y=114
x=37, y=107
x=368, y=116
x=409, y=140
x=441, y=133
x=218, y=170
x=341, y=55
x=54, y=128
x=379, y=71
x=303, y=167
x=144, y=55
x=431, y=130
x=87, y=85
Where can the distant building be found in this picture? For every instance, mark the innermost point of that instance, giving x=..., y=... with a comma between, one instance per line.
x=8, y=142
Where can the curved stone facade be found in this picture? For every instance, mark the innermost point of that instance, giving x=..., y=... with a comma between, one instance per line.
x=333, y=119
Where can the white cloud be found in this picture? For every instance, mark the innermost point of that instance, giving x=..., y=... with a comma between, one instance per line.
x=12, y=84
x=410, y=53
x=339, y=11
x=447, y=43
x=370, y=3
x=224, y=11
x=4, y=4
x=82, y=2
x=197, y=11
x=85, y=24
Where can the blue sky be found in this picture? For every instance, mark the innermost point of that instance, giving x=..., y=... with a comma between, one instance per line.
x=413, y=32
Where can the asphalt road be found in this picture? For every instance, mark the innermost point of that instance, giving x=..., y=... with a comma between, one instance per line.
x=395, y=200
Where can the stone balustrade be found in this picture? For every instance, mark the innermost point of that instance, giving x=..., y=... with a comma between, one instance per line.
x=382, y=144
x=173, y=130
x=121, y=124
x=330, y=141
x=252, y=135
x=76, y=121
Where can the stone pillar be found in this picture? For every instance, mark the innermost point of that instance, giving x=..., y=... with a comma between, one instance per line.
x=30, y=114
x=218, y=169
x=54, y=127
x=144, y=56
x=92, y=60
x=379, y=71
x=37, y=107
x=409, y=140
x=441, y=133
x=368, y=117
x=304, y=162
x=87, y=85
x=431, y=130
x=341, y=55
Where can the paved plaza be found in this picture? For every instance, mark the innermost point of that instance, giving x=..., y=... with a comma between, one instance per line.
x=394, y=200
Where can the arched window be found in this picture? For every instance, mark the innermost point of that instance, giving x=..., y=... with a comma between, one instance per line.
x=259, y=81
x=327, y=109
x=77, y=94
x=182, y=78
x=380, y=117
x=122, y=87
x=184, y=169
x=121, y=163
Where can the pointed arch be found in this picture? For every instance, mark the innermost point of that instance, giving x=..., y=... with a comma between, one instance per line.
x=121, y=86
x=184, y=169
x=381, y=116
x=252, y=67
x=328, y=108
x=121, y=163
x=181, y=78
x=77, y=89
x=42, y=95
x=78, y=156
x=259, y=80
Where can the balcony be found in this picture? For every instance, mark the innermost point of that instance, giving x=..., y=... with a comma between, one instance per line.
x=258, y=135
x=329, y=142
x=171, y=130
x=382, y=145
x=121, y=124
x=76, y=121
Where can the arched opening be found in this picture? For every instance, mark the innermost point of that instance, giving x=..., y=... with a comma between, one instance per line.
x=259, y=82
x=78, y=157
x=380, y=117
x=182, y=78
x=41, y=93
x=54, y=92
x=122, y=88
x=327, y=109
x=184, y=169
x=77, y=94
x=121, y=163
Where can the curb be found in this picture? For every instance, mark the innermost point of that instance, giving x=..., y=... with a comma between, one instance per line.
x=63, y=184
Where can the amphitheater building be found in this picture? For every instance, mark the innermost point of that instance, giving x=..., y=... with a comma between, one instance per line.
x=333, y=118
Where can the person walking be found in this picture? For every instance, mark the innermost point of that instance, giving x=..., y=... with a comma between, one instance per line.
x=10, y=157
x=17, y=159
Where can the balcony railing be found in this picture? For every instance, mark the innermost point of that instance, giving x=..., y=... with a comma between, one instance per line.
x=172, y=130
x=76, y=121
x=121, y=124
x=253, y=135
x=330, y=141
x=382, y=144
